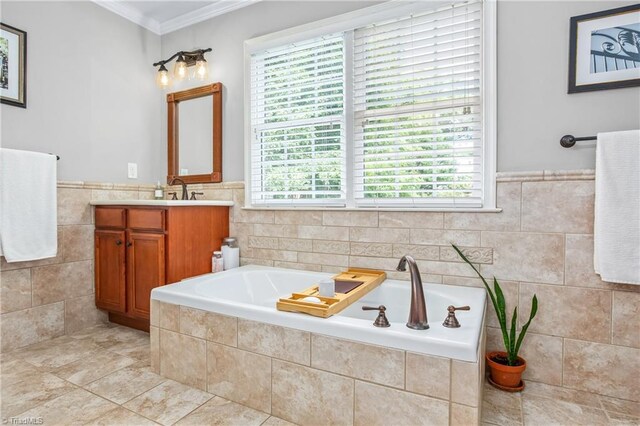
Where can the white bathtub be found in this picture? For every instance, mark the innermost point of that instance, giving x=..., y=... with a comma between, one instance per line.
x=251, y=292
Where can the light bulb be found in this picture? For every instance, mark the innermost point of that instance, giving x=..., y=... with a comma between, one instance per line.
x=202, y=69
x=180, y=69
x=162, y=79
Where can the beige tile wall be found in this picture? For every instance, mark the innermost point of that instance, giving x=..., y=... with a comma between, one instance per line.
x=48, y=298
x=307, y=378
x=542, y=243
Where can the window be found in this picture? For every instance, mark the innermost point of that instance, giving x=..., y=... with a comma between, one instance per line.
x=391, y=109
x=297, y=121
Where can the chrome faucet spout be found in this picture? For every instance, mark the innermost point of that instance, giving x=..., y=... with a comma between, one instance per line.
x=418, y=310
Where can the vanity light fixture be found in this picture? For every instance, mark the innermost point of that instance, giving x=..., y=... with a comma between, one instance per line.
x=185, y=60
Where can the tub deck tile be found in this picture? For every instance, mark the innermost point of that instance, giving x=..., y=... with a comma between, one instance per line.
x=240, y=376
x=284, y=343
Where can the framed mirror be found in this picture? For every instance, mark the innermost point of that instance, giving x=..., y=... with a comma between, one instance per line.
x=194, y=136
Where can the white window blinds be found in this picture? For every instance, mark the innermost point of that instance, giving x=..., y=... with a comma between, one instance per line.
x=297, y=123
x=417, y=109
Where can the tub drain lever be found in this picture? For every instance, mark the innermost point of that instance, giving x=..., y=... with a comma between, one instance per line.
x=451, y=321
x=382, y=320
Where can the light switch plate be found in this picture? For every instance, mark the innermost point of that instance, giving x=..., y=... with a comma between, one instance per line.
x=132, y=170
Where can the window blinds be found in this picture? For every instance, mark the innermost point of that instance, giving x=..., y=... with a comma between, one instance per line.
x=417, y=109
x=297, y=123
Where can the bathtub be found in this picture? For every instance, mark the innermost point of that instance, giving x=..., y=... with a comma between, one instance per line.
x=251, y=292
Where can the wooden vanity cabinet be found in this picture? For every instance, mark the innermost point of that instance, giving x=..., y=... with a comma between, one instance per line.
x=140, y=248
x=110, y=270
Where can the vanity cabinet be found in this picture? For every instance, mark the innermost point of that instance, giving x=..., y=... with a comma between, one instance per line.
x=110, y=271
x=138, y=248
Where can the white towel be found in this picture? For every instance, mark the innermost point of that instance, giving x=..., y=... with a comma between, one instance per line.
x=28, y=219
x=617, y=207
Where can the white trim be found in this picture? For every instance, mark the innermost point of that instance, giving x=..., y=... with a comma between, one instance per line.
x=489, y=87
x=335, y=24
x=207, y=12
x=220, y=7
x=122, y=9
x=379, y=209
x=247, y=127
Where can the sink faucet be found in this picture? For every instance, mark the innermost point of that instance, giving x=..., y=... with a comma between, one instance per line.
x=418, y=310
x=185, y=193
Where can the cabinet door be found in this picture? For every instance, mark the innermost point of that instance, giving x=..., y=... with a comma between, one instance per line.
x=145, y=270
x=110, y=270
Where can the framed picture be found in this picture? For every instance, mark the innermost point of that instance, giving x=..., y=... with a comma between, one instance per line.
x=604, y=50
x=13, y=66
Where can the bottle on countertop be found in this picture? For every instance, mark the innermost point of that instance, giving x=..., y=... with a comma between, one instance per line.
x=230, y=253
x=158, y=194
x=217, y=262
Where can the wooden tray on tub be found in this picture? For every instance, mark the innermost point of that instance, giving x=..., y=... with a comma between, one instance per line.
x=348, y=281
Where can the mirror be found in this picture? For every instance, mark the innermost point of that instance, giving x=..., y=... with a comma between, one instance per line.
x=195, y=134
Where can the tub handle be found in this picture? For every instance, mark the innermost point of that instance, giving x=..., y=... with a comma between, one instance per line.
x=461, y=308
x=381, y=320
x=451, y=321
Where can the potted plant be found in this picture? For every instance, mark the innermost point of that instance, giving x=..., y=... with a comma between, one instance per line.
x=506, y=367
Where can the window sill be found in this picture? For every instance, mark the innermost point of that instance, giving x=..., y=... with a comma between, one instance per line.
x=376, y=209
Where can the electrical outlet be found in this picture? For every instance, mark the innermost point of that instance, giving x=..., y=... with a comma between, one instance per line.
x=132, y=170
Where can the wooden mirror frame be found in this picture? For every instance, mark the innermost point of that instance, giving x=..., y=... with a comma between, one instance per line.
x=173, y=100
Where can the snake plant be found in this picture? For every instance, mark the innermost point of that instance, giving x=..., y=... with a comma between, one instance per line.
x=511, y=343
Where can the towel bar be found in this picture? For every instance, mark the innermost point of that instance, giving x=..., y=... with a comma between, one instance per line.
x=567, y=141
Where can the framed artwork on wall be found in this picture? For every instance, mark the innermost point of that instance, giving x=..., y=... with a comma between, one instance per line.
x=13, y=66
x=604, y=50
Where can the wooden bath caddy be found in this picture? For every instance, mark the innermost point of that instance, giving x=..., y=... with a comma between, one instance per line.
x=369, y=278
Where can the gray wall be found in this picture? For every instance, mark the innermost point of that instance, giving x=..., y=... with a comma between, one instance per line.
x=91, y=96
x=93, y=101
x=534, y=109
x=226, y=35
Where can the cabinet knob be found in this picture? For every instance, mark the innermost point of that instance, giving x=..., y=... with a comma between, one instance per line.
x=129, y=243
x=118, y=242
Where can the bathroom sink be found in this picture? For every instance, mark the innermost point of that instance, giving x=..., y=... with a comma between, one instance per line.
x=167, y=203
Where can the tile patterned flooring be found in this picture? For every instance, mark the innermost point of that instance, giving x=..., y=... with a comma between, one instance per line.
x=102, y=376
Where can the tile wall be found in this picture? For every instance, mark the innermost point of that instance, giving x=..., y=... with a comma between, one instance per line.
x=586, y=335
x=48, y=298
x=279, y=370
x=587, y=332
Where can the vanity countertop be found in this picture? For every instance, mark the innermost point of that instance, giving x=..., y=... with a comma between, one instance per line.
x=161, y=203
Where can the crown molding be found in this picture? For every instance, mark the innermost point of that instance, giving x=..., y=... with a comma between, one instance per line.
x=120, y=8
x=220, y=7
x=207, y=12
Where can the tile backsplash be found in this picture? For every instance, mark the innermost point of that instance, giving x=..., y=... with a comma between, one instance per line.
x=586, y=333
x=541, y=242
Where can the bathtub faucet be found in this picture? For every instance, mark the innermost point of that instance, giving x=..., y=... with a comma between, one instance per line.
x=418, y=310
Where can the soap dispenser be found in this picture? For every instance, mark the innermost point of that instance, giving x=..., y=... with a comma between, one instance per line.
x=158, y=194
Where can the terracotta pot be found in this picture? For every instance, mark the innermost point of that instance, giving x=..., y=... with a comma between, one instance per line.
x=505, y=375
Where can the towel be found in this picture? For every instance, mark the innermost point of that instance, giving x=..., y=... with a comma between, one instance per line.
x=28, y=219
x=617, y=207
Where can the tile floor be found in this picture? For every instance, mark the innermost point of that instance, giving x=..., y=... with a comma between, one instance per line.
x=541, y=404
x=102, y=376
